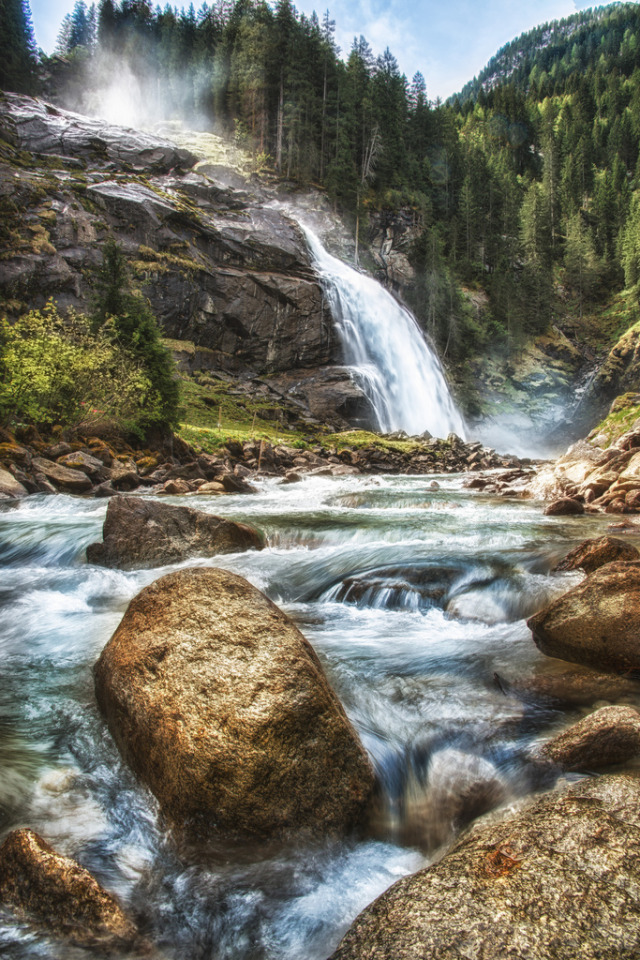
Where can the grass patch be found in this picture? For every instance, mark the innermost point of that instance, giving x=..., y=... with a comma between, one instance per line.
x=213, y=413
x=626, y=410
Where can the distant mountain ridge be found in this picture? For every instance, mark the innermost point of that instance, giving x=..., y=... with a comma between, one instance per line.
x=559, y=47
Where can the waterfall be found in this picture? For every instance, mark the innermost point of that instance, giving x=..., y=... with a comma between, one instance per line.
x=387, y=351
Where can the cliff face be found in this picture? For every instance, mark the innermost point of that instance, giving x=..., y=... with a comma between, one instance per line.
x=219, y=268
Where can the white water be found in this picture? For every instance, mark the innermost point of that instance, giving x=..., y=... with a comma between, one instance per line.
x=391, y=360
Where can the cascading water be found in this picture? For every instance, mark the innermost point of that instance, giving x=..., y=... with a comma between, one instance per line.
x=391, y=360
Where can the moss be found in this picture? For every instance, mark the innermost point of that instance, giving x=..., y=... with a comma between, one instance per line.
x=625, y=410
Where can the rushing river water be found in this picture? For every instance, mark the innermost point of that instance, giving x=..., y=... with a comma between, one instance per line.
x=414, y=599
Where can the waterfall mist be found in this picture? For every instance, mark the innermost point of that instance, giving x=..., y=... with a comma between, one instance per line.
x=387, y=351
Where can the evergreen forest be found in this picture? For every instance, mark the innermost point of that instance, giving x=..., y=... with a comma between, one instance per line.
x=526, y=185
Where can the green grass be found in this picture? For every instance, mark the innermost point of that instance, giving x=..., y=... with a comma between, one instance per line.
x=212, y=414
x=621, y=420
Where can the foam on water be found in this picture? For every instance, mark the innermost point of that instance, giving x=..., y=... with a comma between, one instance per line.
x=390, y=358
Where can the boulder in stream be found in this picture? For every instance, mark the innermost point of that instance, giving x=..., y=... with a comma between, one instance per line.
x=592, y=554
x=595, y=623
x=56, y=892
x=557, y=879
x=608, y=736
x=222, y=708
x=147, y=533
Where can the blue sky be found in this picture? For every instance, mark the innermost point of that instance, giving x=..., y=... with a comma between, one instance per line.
x=449, y=41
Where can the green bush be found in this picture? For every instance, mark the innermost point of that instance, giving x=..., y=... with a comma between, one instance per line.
x=56, y=370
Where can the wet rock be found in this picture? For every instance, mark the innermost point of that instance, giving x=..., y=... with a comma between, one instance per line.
x=70, y=481
x=610, y=735
x=221, y=706
x=596, y=622
x=592, y=554
x=43, y=128
x=576, y=687
x=557, y=879
x=564, y=507
x=56, y=892
x=144, y=533
x=9, y=486
x=124, y=475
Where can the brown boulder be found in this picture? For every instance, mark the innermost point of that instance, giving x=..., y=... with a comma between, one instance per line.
x=222, y=708
x=595, y=623
x=71, y=481
x=556, y=880
x=60, y=894
x=565, y=507
x=592, y=554
x=83, y=462
x=608, y=736
x=9, y=486
x=147, y=533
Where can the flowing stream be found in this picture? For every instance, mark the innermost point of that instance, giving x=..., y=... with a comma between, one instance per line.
x=383, y=344
x=414, y=599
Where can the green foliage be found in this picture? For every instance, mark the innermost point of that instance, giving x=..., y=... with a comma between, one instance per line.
x=18, y=62
x=61, y=371
x=137, y=332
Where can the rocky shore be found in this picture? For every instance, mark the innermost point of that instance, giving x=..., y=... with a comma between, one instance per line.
x=94, y=467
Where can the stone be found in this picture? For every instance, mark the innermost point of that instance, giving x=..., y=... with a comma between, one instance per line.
x=71, y=481
x=574, y=686
x=55, y=891
x=595, y=623
x=564, y=507
x=43, y=128
x=124, y=475
x=592, y=554
x=176, y=488
x=558, y=879
x=9, y=486
x=610, y=735
x=222, y=708
x=146, y=533
x=211, y=488
x=82, y=461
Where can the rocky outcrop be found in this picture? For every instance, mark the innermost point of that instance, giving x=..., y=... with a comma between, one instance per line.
x=42, y=128
x=606, y=737
x=558, y=880
x=595, y=623
x=145, y=533
x=219, y=268
x=56, y=892
x=590, y=555
x=222, y=708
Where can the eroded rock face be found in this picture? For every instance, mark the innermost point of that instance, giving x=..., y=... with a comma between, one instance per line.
x=595, y=623
x=56, y=892
x=593, y=554
x=220, y=268
x=608, y=736
x=145, y=533
x=43, y=128
x=557, y=880
x=222, y=708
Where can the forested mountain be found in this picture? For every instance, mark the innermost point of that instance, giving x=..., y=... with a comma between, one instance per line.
x=525, y=185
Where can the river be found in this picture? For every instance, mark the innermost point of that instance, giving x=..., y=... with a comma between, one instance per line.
x=414, y=599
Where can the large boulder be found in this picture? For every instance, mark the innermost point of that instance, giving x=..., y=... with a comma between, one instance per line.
x=595, y=623
x=607, y=736
x=55, y=891
x=592, y=554
x=222, y=708
x=70, y=481
x=558, y=879
x=146, y=533
x=9, y=486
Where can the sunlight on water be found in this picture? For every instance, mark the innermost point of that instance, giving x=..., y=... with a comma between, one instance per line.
x=414, y=600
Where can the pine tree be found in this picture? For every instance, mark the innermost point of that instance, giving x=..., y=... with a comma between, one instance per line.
x=18, y=61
